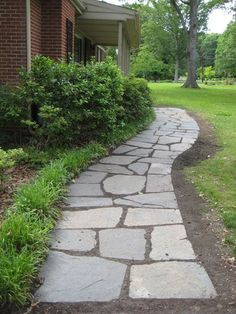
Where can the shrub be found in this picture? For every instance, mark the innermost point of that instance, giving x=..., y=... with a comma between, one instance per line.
x=136, y=100
x=74, y=103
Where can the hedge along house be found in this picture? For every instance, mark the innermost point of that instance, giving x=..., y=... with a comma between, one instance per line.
x=63, y=29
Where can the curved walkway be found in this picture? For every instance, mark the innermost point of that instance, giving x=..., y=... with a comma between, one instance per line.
x=122, y=234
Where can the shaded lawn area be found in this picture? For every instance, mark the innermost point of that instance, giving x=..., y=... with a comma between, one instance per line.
x=215, y=178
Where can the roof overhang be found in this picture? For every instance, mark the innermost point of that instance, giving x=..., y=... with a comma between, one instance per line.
x=78, y=5
x=100, y=22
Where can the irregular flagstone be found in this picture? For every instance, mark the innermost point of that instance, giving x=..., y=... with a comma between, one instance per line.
x=123, y=184
x=170, y=242
x=125, y=202
x=107, y=217
x=139, y=144
x=78, y=202
x=161, y=147
x=170, y=280
x=152, y=216
x=161, y=200
x=159, y=183
x=143, y=152
x=73, y=240
x=78, y=189
x=157, y=168
x=180, y=147
x=146, y=139
x=80, y=278
x=123, y=149
x=118, y=160
x=139, y=168
x=164, y=154
x=155, y=160
x=91, y=177
x=110, y=169
x=122, y=243
x=169, y=140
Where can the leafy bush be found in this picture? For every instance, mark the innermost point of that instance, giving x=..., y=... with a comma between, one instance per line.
x=75, y=103
x=136, y=100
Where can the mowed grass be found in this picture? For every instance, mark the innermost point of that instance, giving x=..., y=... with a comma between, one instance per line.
x=214, y=178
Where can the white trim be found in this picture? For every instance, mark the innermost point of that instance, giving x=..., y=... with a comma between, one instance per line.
x=28, y=32
x=78, y=5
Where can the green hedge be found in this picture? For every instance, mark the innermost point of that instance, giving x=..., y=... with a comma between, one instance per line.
x=75, y=103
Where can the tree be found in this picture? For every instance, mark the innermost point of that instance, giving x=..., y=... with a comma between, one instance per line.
x=226, y=52
x=193, y=16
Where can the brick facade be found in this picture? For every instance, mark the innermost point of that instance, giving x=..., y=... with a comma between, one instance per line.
x=48, y=33
x=13, y=51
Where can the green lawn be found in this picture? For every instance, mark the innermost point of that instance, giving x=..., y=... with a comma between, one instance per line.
x=214, y=178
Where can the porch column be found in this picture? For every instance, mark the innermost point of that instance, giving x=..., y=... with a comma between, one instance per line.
x=120, y=44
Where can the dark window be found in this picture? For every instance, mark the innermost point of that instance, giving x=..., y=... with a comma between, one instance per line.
x=69, y=39
x=79, y=50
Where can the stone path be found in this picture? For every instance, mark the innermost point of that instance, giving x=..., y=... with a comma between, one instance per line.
x=122, y=234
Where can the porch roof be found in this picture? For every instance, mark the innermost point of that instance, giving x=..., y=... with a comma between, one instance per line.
x=99, y=22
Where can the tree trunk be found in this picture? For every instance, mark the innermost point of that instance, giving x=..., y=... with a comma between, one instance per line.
x=176, y=77
x=191, y=81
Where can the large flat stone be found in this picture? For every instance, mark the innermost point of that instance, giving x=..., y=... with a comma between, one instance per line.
x=123, y=184
x=152, y=216
x=123, y=149
x=180, y=147
x=161, y=147
x=157, y=168
x=78, y=202
x=159, y=183
x=80, y=278
x=85, y=189
x=122, y=243
x=145, y=138
x=170, y=242
x=110, y=169
x=107, y=217
x=170, y=280
x=91, y=177
x=139, y=144
x=153, y=160
x=160, y=200
x=118, y=160
x=164, y=154
x=142, y=152
x=169, y=140
x=73, y=240
x=138, y=167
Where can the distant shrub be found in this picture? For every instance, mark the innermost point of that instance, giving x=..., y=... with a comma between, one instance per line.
x=136, y=100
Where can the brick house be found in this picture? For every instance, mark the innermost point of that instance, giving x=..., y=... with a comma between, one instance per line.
x=63, y=29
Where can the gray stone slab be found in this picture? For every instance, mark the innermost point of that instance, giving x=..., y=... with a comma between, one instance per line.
x=170, y=280
x=80, y=279
x=91, y=177
x=159, y=183
x=139, y=168
x=85, y=189
x=189, y=140
x=156, y=160
x=145, y=139
x=170, y=242
x=73, y=240
x=160, y=200
x=122, y=201
x=123, y=149
x=111, y=169
x=122, y=243
x=107, y=217
x=164, y=154
x=157, y=168
x=161, y=147
x=152, y=216
x=139, y=144
x=169, y=140
x=78, y=202
x=123, y=184
x=118, y=160
x=143, y=152
x=180, y=147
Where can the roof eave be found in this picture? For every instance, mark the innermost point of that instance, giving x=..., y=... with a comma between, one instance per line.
x=78, y=5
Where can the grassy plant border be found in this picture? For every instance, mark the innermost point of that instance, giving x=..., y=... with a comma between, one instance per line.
x=24, y=234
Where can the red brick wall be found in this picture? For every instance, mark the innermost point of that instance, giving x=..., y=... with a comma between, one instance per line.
x=13, y=49
x=36, y=25
x=54, y=15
